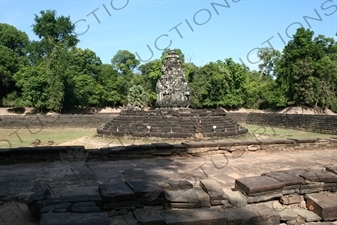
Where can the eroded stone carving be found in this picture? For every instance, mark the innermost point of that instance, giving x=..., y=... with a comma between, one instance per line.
x=172, y=87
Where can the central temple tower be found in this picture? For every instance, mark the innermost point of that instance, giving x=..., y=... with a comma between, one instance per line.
x=172, y=87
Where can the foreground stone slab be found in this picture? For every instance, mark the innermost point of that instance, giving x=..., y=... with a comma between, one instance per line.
x=319, y=176
x=214, y=189
x=258, y=185
x=287, y=179
x=99, y=218
x=182, y=199
x=79, y=194
x=115, y=192
x=193, y=217
x=258, y=214
x=308, y=216
x=84, y=207
x=148, y=216
x=122, y=220
x=236, y=198
x=175, y=185
x=204, y=198
x=332, y=169
x=146, y=192
x=291, y=199
x=323, y=204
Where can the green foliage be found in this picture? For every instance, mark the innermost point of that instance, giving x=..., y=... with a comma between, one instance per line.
x=219, y=84
x=137, y=96
x=87, y=91
x=12, y=51
x=307, y=70
x=125, y=62
x=52, y=29
x=52, y=73
x=13, y=39
x=269, y=58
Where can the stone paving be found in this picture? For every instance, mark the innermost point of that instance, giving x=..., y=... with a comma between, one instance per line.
x=19, y=181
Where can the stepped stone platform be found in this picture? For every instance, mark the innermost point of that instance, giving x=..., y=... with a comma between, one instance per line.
x=296, y=187
x=170, y=123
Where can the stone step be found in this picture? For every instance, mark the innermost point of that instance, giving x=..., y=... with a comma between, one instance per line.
x=258, y=185
x=193, y=217
x=249, y=215
x=323, y=204
x=97, y=218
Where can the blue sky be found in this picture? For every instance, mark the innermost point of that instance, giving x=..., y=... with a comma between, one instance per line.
x=204, y=30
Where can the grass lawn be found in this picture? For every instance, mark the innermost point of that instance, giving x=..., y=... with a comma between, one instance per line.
x=281, y=133
x=24, y=137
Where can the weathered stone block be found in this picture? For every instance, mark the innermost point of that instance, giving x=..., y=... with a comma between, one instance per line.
x=285, y=178
x=116, y=192
x=146, y=190
x=182, y=199
x=236, y=198
x=323, y=204
x=250, y=215
x=193, y=217
x=264, y=197
x=291, y=199
x=84, y=207
x=148, y=216
x=258, y=185
x=308, y=216
x=319, y=176
x=203, y=197
x=97, y=218
x=214, y=189
x=123, y=220
x=332, y=168
x=54, y=208
x=175, y=185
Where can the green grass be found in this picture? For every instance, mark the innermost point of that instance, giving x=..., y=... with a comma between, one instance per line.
x=24, y=137
x=281, y=133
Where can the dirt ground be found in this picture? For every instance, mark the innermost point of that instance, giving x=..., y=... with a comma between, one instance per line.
x=288, y=110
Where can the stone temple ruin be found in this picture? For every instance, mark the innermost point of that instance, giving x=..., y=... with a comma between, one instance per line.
x=172, y=118
x=172, y=88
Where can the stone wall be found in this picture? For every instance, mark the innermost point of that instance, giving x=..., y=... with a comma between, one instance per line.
x=191, y=148
x=317, y=123
x=39, y=121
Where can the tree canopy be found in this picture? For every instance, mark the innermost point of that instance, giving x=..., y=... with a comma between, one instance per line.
x=53, y=73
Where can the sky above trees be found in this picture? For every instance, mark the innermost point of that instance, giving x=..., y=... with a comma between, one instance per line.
x=205, y=31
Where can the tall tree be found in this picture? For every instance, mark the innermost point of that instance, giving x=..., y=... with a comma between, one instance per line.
x=307, y=70
x=219, y=84
x=51, y=53
x=125, y=63
x=269, y=58
x=13, y=56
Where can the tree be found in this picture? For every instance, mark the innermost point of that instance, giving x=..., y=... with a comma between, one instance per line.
x=151, y=72
x=307, y=70
x=13, y=39
x=50, y=54
x=12, y=50
x=125, y=62
x=108, y=79
x=137, y=96
x=53, y=31
x=87, y=91
x=269, y=58
x=219, y=84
